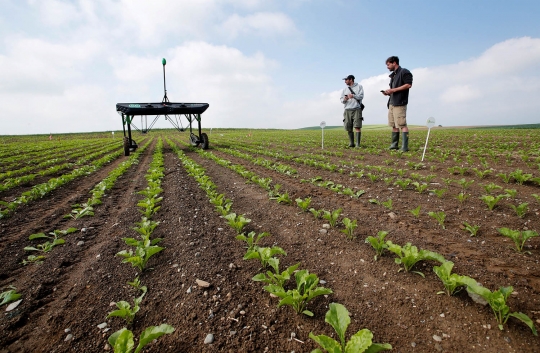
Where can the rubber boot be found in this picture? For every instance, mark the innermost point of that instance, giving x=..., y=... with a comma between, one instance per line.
x=351, y=138
x=358, y=138
x=395, y=141
x=405, y=142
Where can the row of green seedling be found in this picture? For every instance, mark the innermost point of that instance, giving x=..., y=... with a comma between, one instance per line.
x=306, y=283
x=40, y=190
x=123, y=341
x=98, y=191
x=409, y=255
x=278, y=167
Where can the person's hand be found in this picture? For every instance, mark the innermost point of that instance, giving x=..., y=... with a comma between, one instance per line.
x=346, y=98
x=388, y=92
x=350, y=96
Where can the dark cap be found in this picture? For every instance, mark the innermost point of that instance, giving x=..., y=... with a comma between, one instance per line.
x=350, y=77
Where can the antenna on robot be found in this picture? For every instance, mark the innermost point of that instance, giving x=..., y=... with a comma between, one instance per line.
x=165, y=99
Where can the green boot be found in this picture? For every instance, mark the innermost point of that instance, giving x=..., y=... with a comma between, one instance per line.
x=395, y=141
x=405, y=142
x=351, y=138
x=358, y=138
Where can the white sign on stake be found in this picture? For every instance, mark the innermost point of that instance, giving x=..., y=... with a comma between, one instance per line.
x=430, y=123
x=323, y=125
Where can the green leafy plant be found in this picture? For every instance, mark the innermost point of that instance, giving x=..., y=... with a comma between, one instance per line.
x=505, y=178
x=521, y=209
x=33, y=259
x=471, y=228
x=482, y=173
x=409, y=255
x=283, y=198
x=122, y=340
x=491, y=201
x=80, y=210
x=378, y=243
x=305, y=291
x=332, y=216
x=415, y=211
x=438, y=192
x=125, y=311
x=440, y=216
x=350, y=226
x=304, y=204
x=264, y=254
x=237, y=222
x=447, y=181
x=55, y=239
x=420, y=187
x=462, y=197
x=387, y=204
x=511, y=192
x=520, y=177
x=491, y=186
x=536, y=196
x=497, y=302
x=452, y=282
x=9, y=295
x=275, y=277
x=519, y=237
x=338, y=317
x=316, y=213
x=403, y=183
x=464, y=183
x=252, y=239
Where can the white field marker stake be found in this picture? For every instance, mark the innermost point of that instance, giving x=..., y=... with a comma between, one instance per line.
x=323, y=125
x=430, y=123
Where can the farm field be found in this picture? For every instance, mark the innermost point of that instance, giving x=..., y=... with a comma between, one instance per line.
x=472, y=184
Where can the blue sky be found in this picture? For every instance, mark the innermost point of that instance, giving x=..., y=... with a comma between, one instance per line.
x=265, y=64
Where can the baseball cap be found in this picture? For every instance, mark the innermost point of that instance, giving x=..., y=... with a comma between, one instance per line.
x=350, y=77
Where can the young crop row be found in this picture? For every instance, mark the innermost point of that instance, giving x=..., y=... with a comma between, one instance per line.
x=47, y=160
x=98, y=191
x=143, y=248
x=16, y=157
x=306, y=288
x=408, y=256
x=40, y=190
x=14, y=182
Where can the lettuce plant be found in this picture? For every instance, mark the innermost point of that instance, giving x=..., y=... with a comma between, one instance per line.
x=520, y=177
x=536, y=196
x=505, y=178
x=511, y=192
x=420, y=187
x=80, y=210
x=497, y=302
x=275, y=277
x=438, y=192
x=521, y=209
x=462, y=197
x=378, y=243
x=264, y=254
x=304, y=204
x=452, y=282
x=338, y=317
x=298, y=298
x=491, y=201
x=252, y=239
x=9, y=296
x=332, y=216
x=282, y=198
x=519, y=237
x=316, y=213
x=145, y=249
x=49, y=245
x=464, y=183
x=122, y=340
x=471, y=228
x=125, y=310
x=408, y=256
x=349, y=227
x=491, y=186
x=416, y=211
x=237, y=222
x=439, y=216
x=33, y=259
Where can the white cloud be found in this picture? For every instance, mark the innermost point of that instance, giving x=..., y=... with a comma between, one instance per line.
x=261, y=23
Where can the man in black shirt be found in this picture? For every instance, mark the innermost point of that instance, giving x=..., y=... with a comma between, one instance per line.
x=401, y=81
